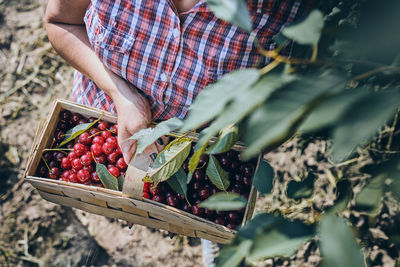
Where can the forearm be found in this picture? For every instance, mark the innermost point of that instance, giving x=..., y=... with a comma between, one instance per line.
x=71, y=43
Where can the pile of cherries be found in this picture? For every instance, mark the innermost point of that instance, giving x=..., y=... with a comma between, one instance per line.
x=200, y=188
x=76, y=162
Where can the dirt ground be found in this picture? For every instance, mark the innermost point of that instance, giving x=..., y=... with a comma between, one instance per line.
x=36, y=232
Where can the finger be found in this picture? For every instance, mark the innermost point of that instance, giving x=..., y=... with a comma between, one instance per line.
x=128, y=149
x=152, y=151
x=161, y=143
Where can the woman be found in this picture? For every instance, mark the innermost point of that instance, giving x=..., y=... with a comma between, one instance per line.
x=148, y=60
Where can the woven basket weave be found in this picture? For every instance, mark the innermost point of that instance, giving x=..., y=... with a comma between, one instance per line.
x=115, y=204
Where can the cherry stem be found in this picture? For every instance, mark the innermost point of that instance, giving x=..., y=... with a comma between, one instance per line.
x=112, y=131
x=94, y=158
x=45, y=163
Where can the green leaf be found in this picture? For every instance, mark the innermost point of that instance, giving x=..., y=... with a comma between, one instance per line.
x=224, y=201
x=106, y=178
x=194, y=160
x=277, y=120
x=213, y=99
x=264, y=177
x=218, y=176
x=338, y=245
x=273, y=236
x=370, y=197
x=308, y=31
x=362, y=121
x=148, y=136
x=245, y=102
x=332, y=110
x=233, y=11
x=302, y=189
x=120, y=182
x=280, y=237
x=169, y=160
x=178, y=182
x=71, y=134
x=231, y=256
x=228, y=137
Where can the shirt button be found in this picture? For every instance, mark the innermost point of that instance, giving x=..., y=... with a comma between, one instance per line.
x=163, y=77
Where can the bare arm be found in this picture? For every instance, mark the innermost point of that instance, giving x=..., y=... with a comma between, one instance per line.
x=67, y=34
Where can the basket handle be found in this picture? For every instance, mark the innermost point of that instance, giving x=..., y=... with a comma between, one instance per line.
x=136, y=171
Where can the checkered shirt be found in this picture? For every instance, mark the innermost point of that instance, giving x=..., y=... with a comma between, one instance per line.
x=171, y=57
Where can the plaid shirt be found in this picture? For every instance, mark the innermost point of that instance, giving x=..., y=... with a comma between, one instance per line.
x=171, y=57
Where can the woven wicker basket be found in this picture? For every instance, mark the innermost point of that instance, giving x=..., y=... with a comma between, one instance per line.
x=115, y=204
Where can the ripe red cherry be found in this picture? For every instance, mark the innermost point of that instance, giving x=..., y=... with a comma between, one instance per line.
x=98, y=140
x=172, y=201
x=121, y=164
x=231, y=226
x=158, y=198
x=108, y=148
x=53, y=164
x=83, y=176
x=233, y=217
x=65, y=115
x=95, y=178
x=76, y=164
x=235, y=190
x=247, y=181
x=72, y=155
x=93, y=131
x=106, y=134
x=114, y=171
x=235, y=166
x=59, y=156
x=114, y=128
x=198, y=175
x=82, y=121
x=225, y=161
x=73, y=178
x=214, y=190
x=89, y=168
x=54, y=173
x=112, y=157
x=219, y=220
x=101, y=159
x=186, y=208
x=203, y=160
x=59, y=136
x=146, y=187
x=85, y=138
x=86, y=159
x=65, y=176
x=97, y=149
x=146, y=195
x=79, y=149
x=196, y=210
x=66, y=163
x=204, y=193
x=156, y=190
x=197, y=186
x=112, y=140
x=248, y=170
x=75, y=117
x=119, y=150
x=102, y=126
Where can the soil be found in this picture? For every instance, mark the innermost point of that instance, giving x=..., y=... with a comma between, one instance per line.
x=34, y=232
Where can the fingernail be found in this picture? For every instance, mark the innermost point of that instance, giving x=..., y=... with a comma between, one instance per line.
x=160, y=141
x=153, y=156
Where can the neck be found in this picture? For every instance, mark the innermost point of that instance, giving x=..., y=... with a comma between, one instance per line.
x=184, y=5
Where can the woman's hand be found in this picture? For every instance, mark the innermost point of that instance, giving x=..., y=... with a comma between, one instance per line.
x=133, y=115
